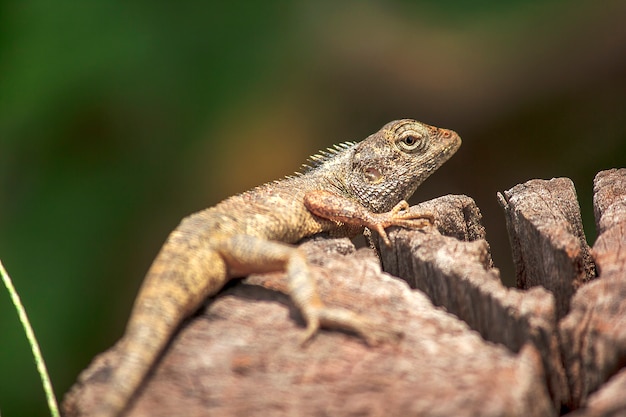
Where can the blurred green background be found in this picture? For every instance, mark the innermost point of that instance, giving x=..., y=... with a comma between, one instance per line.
x=119, y=118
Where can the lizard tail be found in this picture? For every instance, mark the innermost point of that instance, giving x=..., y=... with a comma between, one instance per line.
x=185, y=272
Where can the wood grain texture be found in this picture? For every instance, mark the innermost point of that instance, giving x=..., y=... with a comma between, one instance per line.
x=609, y=401
x=594, y=333
x=547, y=238
x=609, y=203
x=458, y=276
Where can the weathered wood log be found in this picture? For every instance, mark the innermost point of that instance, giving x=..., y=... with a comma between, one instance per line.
x=547, y=238
x=532, y=350
x=594, y=333
x=241, y=356
x=458, y=276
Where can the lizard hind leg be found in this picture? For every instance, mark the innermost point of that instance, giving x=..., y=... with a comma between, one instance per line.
x=246, y=254
x=304, y=294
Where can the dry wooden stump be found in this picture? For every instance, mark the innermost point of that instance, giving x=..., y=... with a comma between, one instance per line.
x=470, y=346
x=458, y=276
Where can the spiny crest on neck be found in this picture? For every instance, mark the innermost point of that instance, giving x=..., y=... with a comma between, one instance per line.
x=324, y=156
x=314, y=161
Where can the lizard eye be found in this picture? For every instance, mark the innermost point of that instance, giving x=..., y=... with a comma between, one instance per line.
x=411, y=142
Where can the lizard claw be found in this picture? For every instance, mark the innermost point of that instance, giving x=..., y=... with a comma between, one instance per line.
x=401, y=217
x=379, y=333
x=401, y=206
x=373, y=333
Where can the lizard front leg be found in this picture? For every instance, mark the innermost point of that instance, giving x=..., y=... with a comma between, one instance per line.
x=342, y=209
x=246, y=254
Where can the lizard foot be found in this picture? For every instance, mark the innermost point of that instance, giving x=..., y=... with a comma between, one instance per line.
x=398, y=216
x=374, y=333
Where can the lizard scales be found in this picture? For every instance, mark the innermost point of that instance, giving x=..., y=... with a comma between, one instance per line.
x=342, y=191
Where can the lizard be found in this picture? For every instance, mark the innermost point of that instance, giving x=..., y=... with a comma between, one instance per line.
x=342, y=191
